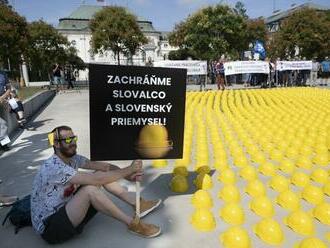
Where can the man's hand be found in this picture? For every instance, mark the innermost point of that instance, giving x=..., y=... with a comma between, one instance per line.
x=137, y=171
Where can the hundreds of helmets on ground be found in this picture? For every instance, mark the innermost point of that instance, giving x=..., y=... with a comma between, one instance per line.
x=271, y=140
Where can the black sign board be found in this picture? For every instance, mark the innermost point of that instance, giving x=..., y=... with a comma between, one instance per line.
x=136, y=112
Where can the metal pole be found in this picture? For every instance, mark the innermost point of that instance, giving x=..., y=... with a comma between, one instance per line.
x=137, y=200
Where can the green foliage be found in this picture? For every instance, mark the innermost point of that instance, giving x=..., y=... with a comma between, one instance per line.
x=114, y=29
x=47, y=47
x=240, y=10
x=212, y=32
x=306, y=30
x=13, y=37
x=256, y=30
x=181, y=54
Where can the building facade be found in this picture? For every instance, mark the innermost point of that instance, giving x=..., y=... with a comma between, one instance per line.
x=274, y=21
x=76, y=28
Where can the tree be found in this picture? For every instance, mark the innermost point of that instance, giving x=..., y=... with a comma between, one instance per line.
x=114, y=29
x=240, y=10
x=211, y=32
x=4, y=2
x=256, y=30
x=304, y=34
x=181, y=54
x=47, y=47
x=13, y=38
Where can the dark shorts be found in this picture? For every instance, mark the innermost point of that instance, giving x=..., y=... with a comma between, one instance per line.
x=58, y=227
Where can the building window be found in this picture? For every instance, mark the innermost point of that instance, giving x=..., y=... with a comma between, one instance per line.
x=165, y=45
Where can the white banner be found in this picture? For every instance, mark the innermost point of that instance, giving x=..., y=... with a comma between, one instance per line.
x=194, y=67
x=294, y=65
x=240, y=67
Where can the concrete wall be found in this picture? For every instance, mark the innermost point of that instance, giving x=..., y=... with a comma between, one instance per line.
x=31, y=106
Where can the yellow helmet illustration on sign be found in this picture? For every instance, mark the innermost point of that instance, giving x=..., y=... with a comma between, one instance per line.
x=153, y=142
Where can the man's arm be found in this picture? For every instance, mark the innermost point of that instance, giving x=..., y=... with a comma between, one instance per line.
x=99, y=166
x=101, y=178
x=4, y=96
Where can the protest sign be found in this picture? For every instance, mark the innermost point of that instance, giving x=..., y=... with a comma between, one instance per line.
x=194, y=67
x=241, y=67
x=294, y=65
x=133, y=108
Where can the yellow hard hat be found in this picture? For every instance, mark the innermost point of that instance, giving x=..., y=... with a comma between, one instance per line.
x=180, y=170
x=267, y=169
x=182, y=162
x=300, y=222
x=255, y=188
x=203, y=181
x=320, y=175
x=229, y=193
x=322, y=213
x=159, y=163
x=300, y=179
x=311, y=243
x=279, y=183
x=313, y=194
x=258, y=157
x=241, y=161
x=276, y=155
x=288, y=200
x=304, y=162
x=179, y=184
x=321, y=159
x=269, y=231
x=232, y=213
x=202, y=169
x=203, y=220
x=287, y=166
x=227, y=176
x=202, y=199
x=220, y=164
x=262, y=206
x=249, y=173
x=235, y=237
x=326, y=188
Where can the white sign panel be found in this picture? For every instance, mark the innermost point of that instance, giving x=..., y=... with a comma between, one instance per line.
x=294, y=65
x=240, y=67
x=194, y=67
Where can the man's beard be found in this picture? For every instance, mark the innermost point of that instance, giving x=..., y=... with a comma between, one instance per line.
x=70, y=151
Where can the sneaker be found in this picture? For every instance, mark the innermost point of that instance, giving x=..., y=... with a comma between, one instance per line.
x=148, y=206
x=143, y=229
x=5, y=148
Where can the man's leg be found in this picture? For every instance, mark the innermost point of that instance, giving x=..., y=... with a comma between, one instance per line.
x=78, y=206
x=122, y=193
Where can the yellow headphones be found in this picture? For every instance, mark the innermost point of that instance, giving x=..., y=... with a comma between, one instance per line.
x=51, y=137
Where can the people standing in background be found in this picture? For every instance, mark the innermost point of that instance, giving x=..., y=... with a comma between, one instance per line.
x=68, y=75
x=57, y=76
x=220, y=75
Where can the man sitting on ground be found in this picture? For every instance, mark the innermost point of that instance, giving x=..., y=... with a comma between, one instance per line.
x=63, y=200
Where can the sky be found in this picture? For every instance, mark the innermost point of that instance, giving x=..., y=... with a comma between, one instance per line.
x=164, y=14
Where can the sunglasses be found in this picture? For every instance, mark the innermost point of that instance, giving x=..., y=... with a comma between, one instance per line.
x=69, y=140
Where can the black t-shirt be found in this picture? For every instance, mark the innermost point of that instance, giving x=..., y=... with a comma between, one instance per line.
x=57, y=72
